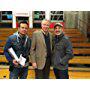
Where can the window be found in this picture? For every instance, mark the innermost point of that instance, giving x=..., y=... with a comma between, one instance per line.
x=56, y=16
x=38, y=16
x=6, y=18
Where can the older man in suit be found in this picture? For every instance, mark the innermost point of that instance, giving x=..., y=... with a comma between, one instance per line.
x=41, y=49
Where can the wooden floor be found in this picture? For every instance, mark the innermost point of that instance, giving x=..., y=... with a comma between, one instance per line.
x=74, y=73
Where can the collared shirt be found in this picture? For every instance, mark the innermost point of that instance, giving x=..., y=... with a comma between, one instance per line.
x=47, y=41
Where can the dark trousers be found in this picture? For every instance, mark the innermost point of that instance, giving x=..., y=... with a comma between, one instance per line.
x=44, y=73
x=61, y=74
x=19, y=73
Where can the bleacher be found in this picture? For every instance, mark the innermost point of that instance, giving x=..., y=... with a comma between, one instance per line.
x=78, y=66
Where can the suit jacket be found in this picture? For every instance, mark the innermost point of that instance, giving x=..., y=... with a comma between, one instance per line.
x=38, y=52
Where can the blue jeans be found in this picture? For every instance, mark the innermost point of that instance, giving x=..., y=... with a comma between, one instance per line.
x=19, y=73
x=61, y=74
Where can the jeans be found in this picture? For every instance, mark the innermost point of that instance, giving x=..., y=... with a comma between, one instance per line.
x=19, y=73
x=61, y=74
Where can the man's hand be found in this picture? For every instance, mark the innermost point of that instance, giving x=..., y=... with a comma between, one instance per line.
x=34, y=65
x=15, y=62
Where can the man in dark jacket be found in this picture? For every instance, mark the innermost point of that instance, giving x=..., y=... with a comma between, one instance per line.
x=62, y=52
x=20, y=43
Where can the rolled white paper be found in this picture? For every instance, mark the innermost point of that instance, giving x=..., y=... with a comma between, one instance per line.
x=21, y=59
x=12, y=52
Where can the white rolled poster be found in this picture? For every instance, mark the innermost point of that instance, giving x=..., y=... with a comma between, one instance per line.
x=21, y=59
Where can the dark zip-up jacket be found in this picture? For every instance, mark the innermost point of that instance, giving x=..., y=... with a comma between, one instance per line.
x=62, y=52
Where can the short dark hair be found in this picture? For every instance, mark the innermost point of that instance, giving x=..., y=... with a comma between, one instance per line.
x=58, y=24
x=25, y=22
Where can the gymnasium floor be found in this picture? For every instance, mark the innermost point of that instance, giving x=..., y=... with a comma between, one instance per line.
x=74, y=73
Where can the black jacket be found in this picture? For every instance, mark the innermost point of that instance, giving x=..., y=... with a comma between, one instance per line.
x=62, y=52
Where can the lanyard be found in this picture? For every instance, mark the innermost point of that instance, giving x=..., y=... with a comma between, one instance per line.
x=18, y=39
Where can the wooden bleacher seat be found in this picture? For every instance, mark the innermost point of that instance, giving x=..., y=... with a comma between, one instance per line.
x=81, y=45
x=2, y=43
x=78, y=39
x=3, y=59
x=80, y=60
x=72, y=30
x=74, y=35
x=81, y=51
x=1, y=50
x=79, y=73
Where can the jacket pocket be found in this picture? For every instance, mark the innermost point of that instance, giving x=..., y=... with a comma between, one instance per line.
x=56, y=59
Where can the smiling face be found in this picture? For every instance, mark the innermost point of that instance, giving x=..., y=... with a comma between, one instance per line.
x=23, y=29
x=58, y=30
x=45, y=25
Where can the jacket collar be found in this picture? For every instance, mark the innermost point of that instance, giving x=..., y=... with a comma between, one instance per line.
x=18, y=36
